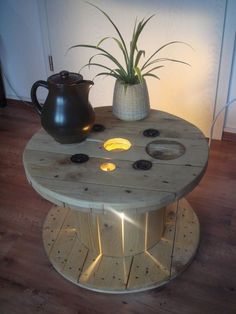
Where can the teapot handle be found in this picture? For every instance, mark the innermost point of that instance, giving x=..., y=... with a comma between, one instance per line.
x=34, y=99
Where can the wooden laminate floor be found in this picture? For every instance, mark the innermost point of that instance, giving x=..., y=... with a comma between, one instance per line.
x=29, y=284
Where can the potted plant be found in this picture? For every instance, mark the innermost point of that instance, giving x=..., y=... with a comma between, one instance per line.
x=130, y=98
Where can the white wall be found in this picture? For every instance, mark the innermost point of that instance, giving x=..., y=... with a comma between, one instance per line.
x=186, y=92
x=21, y=49
x=225, y=69
x=230, y=121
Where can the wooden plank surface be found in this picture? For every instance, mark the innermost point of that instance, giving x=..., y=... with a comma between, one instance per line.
x=54, y=176
x=75, y=261
x=64, y=242
x=110, y=232
x=108, y=274
x=171, y=178
x=157, y=119
x=53, y=226
x=28, y=284
x=88, y=230
x=194, y=148
x=134, y=233
x=155, y=222
x=186, y=239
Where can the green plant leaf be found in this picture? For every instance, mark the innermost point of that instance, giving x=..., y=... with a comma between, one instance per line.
x=105, y=53
x=135, y=38
x=159, y=49
x=128, y=72
x=98, y=65
x=163, y=60
x=139, y=54
x=134, y=30
x=114, y=25
x=139, y=74
x=107, y=74
x=119, y=43
x=122, y=71
x=101, y=41
x=155, y=68
x=97, y=54
x=152, y=75
x=121, y=74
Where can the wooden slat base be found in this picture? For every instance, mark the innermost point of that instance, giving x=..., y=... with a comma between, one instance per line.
x=121, y=274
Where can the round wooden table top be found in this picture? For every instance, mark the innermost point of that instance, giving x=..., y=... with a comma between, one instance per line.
x=178, y=154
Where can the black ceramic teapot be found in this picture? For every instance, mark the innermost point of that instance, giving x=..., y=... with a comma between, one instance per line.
x=66, y=114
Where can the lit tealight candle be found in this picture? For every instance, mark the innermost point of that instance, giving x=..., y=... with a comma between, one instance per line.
x=117, y=144
x=108, y=166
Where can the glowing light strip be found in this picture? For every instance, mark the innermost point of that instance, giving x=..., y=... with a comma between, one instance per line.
x=158, y=263
x=99, y=236
x=122, y=233
x=124, y=216
x=87, y=273
x=146, y=230
x=125, y=270
x=146, y=250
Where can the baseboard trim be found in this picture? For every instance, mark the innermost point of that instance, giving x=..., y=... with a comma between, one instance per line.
x=228, y=136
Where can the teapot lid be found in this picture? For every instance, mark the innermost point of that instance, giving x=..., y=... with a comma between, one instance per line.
x=65, y=78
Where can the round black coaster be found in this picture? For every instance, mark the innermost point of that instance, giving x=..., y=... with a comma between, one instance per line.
x=142, y=164
x=98, y=127
x=151, y=133
x=79, y=158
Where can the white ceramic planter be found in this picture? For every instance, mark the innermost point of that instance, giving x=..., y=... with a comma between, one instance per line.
x=131, y=102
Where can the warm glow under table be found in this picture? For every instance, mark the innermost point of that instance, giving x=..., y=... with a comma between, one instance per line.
x=125, y=230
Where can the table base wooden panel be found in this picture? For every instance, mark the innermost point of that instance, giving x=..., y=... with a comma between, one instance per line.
x=118, y=252
x=89, y=240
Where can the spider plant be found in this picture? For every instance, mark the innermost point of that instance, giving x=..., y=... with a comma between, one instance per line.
x=130, y=71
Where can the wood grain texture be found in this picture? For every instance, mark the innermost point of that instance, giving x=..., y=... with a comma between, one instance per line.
x=28, y=284
x=141, y=254
x=51, y=172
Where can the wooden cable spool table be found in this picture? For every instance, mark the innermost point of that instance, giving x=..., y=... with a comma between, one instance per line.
x=114, y=227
